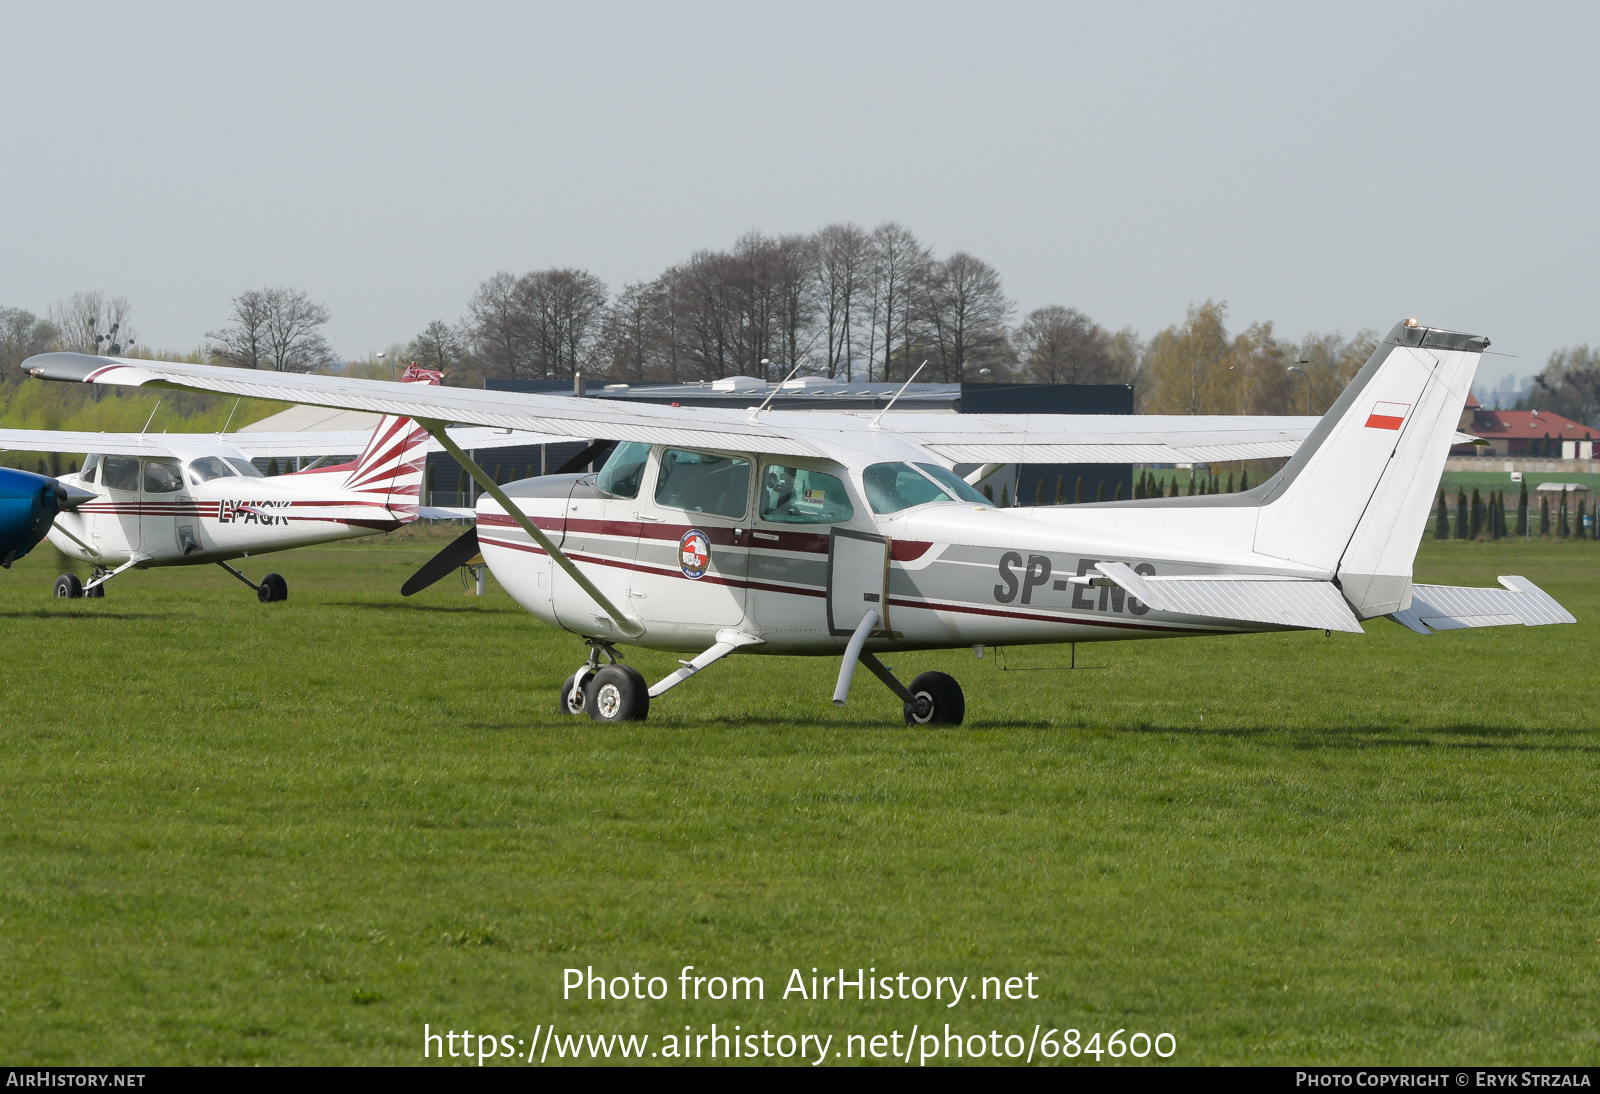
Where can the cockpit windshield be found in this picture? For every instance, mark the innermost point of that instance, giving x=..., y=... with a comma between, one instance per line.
x=954, y=483
x=207, y=468
x=245, y=468
x=891, y=487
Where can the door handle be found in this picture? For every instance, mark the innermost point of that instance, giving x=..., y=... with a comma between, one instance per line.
x=652, y=520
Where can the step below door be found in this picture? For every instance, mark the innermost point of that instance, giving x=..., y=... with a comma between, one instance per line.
x=858, y=580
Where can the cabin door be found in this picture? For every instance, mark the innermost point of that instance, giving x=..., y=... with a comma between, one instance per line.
x=858, y=580
x=161, y=495
x=114, y=526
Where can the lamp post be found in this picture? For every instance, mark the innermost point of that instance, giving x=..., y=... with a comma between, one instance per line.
x=1307, y=375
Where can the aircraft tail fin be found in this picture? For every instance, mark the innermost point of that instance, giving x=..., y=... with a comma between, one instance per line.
x=391, y=467
x=1356, y=496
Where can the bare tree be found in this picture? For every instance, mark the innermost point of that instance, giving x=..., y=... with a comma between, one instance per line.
x=964, y=311
x=896, y=260
x=92, y=322
x=631, y=336
x=840, y=255
x=243, y=343
x=276, y=329
x=794, y=258
x=1058, y=345
x=439, y=347
x=294, y=339
x=496, y=327
x=563, y=311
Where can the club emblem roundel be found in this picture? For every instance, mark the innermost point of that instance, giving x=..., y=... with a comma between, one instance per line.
x=694, y=554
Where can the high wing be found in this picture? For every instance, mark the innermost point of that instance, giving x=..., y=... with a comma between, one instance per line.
x=974, y=438
x=250, y=445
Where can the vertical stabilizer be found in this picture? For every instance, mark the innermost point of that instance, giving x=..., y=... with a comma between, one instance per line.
x=390, y=469
x=1355, y=498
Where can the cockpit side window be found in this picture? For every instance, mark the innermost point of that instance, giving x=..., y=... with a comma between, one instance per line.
x=621, y=475
x=162, y=477
x=207, y=468
x=245, y=468
x=891, y=487
x=120, y=473
x=704, y=482
x=798, y=495
x=91, y=464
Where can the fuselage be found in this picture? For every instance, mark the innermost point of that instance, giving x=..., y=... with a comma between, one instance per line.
x=946, y=570
x=204, y=504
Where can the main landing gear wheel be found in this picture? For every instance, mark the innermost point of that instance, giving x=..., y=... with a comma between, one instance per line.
x=617, y=694
x=272, y=589
x=939, y=701
x=96, y=593
x=68, y=587
x=567, y=705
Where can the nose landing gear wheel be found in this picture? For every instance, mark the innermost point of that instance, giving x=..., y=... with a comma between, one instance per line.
x=68, y=587
x=567, y=705
x=273, y=589
x=939, y=701
x=617, y=694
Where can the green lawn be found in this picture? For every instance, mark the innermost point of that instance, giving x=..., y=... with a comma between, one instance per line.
x=295, y=833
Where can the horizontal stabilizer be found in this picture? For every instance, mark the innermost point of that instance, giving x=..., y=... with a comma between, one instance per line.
x=1282, y=601
x=1452, y=608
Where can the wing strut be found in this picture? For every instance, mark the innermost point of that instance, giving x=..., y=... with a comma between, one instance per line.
x=626, y=623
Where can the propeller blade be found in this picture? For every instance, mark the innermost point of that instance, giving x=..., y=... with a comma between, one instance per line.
x=460, y=551
x=583, y=459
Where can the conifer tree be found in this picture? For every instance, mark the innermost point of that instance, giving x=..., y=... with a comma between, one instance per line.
x=1244, y=480
x=1172, y=487
x=1038, y=492
x=1462, y=526
x=1118, y=495
x=272, y=467
x=1100, y=491
x=1544, y=518
x=1562, y=529
x=1230, y=482
x=988, y=491
x=1577, y=525
x=1077, y=494
x=1061, y=489
x=1522, y=511
x=1441, y=526
x=1477, y=514
x=1005, y=496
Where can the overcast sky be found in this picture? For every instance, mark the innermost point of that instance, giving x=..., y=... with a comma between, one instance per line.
x=1329, y=167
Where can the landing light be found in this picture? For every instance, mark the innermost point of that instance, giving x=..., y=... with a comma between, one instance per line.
x=1412, y=321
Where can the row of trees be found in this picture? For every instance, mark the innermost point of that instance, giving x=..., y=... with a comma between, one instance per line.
x=1484, y=517
x=843, y=302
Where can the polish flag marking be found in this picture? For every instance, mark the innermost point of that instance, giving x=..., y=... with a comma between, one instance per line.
x=1387, y=415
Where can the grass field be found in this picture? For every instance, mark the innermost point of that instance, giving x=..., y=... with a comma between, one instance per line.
x=295, y=833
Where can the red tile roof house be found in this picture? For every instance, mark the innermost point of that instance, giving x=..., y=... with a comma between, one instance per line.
x=1534, y=433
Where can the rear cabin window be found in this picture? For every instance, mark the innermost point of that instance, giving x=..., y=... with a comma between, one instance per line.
x=798, y=495
x=703, y=482
x=622, y=472
x=891, y=487
x=210, y=467
x=120, y=472
x=162, y=476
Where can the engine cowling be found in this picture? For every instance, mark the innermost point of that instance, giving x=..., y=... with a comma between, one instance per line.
x=28, y=506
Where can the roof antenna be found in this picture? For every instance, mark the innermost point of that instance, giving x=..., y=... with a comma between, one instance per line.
x=229, y=422
x=753, y=414
x=899, y=393
x=152, y=417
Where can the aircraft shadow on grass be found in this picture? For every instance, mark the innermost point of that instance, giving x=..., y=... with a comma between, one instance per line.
x=86, y=617
x=1348, y=739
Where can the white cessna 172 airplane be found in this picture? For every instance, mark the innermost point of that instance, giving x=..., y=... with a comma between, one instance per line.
x=187, y=499
x=712, y=532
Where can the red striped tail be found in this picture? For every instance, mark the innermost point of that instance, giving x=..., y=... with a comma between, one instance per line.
x=391, y=468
